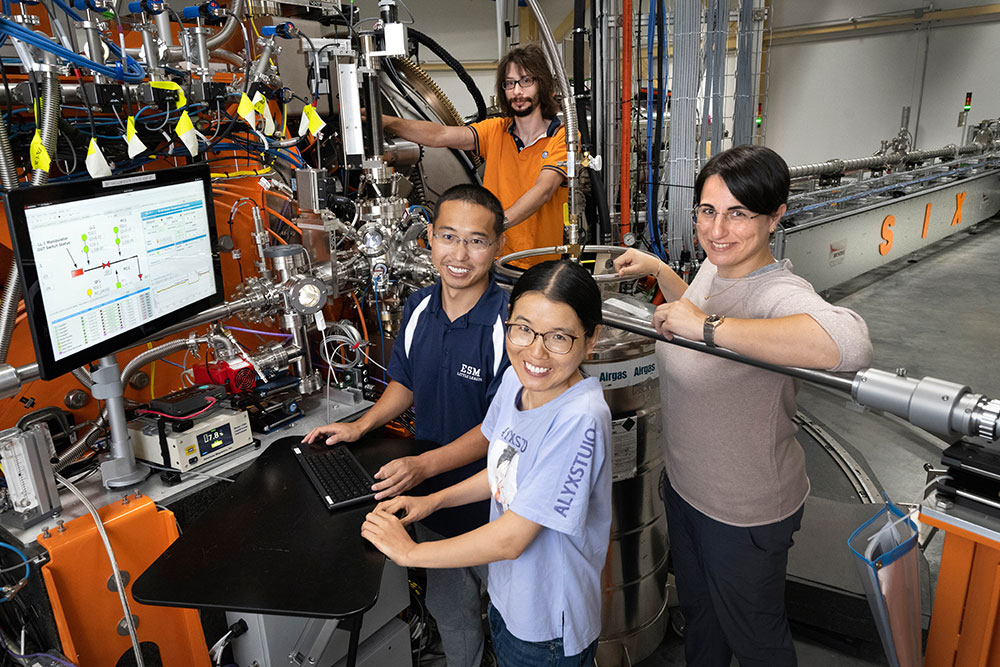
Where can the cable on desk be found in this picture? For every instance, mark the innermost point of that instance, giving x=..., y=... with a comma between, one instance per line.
x=115, y=571
x=188, y=472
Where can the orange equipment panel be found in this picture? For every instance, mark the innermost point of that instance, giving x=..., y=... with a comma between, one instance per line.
x=965, y=626
x=87, y=609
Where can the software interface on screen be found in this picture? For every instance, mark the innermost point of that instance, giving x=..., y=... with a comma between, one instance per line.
x=111, y=263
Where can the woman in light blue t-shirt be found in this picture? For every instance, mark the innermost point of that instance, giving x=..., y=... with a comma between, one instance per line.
x=546, y=438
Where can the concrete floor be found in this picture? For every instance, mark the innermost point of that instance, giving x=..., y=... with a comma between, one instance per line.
x=935, y=313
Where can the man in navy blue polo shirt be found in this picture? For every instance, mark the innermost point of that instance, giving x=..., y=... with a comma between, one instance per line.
x=447, y=363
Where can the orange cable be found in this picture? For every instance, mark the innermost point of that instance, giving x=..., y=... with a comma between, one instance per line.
x=361, y=315
x=275, y=235
x=283, y=219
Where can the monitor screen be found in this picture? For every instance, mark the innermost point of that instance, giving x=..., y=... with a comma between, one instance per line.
x=108, y=262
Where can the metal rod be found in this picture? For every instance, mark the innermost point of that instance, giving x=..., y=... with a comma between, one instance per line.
x=822, y=378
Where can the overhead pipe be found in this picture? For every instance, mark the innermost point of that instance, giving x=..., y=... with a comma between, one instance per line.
x=842, y=166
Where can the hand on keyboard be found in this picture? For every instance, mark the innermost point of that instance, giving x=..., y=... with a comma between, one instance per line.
x=399, y=475
x=334, y=433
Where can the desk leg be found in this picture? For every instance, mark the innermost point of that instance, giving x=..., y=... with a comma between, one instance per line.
x=352, y=645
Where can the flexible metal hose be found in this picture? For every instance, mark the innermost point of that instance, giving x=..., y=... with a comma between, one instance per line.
x=11, y=288
x=569, y=109
x=49, y=132
x=51, y=101
x=8, y=307
x=8, y=171
x=131, y=368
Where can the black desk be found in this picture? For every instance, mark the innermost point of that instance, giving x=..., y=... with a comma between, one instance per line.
x=270, y=546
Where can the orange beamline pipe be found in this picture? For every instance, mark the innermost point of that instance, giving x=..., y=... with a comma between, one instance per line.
x=283, y=219
x=272, y=193
x=235, y=193
x=235, y=190
x=275, y=235
x=361, y=315
x=625, y=199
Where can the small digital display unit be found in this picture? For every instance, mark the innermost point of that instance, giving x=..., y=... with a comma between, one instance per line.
x=108, y=262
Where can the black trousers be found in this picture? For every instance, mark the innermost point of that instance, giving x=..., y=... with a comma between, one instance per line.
x=731, y=585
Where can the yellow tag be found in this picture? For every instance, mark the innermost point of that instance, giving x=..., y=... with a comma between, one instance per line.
x=170, y=85
x=315, y=122
x=39, y=156
x=97, y=164
x=185, y=130
x=245, y=109
x=259, y=102
x=135, y=145
x=184, y=125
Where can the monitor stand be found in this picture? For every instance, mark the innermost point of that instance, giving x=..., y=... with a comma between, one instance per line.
x=119, y=468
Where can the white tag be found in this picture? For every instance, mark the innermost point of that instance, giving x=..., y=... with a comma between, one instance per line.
x=320, y=320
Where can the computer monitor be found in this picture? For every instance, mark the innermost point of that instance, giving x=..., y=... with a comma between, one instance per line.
x=108, y=262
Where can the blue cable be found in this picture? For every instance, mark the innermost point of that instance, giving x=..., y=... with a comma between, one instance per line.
x=131, y=73
x=378, y=318
x=652, y=223
x=27, y=567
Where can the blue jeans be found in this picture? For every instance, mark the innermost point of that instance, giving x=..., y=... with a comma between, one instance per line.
x=514, y=652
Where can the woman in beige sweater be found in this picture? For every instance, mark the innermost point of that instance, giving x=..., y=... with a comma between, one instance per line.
x=737, y=479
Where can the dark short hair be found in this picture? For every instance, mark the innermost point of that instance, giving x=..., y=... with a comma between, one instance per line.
x=531, y=59
x=563, y=281
x=757, y=176
x=471, y=193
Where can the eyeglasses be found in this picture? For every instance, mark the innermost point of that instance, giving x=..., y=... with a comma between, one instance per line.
x=525, y=82
x=706, y=215
x=555, y=342
x=475, y=245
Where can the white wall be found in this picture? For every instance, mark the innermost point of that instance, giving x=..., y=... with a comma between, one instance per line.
x=839, y=97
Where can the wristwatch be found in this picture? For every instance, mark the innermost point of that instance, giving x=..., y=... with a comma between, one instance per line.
x=712, y=323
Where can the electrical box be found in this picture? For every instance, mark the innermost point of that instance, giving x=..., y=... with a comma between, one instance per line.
x=187, y=444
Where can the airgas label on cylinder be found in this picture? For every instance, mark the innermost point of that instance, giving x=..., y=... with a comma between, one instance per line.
x=618, y=374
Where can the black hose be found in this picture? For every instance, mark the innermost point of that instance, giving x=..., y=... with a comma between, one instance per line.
x=661, y=86
x=439, y=51
x=601, y=203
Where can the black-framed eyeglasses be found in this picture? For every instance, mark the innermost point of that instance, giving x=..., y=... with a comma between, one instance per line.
x=475, y=244
x=556, y=342
x=525, y=82
x=706, y=215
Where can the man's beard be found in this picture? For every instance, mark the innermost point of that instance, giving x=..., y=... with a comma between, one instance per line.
x=525, y=111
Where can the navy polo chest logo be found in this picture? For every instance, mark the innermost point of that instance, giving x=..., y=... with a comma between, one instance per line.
x=470, y=373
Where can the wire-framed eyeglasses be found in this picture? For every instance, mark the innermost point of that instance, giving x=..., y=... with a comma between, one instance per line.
x=525, y=82
x=706, y=214
x=556, y=342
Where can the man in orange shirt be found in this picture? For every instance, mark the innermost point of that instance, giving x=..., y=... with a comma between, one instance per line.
x=523, y=149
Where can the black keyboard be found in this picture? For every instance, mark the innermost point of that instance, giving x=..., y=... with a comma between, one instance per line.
x=337, y=476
